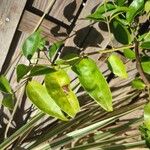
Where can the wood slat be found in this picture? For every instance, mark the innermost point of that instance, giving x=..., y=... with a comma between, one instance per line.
x=49, y=29
x=63, y=10
x=10, y=13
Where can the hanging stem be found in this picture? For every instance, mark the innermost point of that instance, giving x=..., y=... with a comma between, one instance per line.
x=138, y=64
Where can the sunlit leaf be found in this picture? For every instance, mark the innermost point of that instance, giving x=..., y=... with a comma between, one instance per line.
x=147, y=6
x=147, y=115
x=8, y=101
x=54, y=48
x=128, y=53
x=93, y=82
x=145, y=62
x=58, y=87
x=4, y=85
x=138, y=84
x=32, y=44
x=98, y=14
x=135, y=7
x=117, y=67
x=39, y=96
x=22, y=70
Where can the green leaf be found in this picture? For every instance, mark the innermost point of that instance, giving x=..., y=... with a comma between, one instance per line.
x=145, y=37
x=99, y=13
x=128, y=53
x=32, y=44
x=138, y=84
x=4, y=85
x=147, y=115
x=147, y=6
x=120, y=2
x=37, y=93
x=54, y=48
x=8, y=101
x=145, y=62
x=40, y=70
x=116, y=66
x=22, y=70
x=121, y=33
x=145, y=45
x=93, y=82
x=135, y=7
x=58, y=87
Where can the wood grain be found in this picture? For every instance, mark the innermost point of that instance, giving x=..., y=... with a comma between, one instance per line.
x=63, y=10
x=49, y=29
x=10, y=13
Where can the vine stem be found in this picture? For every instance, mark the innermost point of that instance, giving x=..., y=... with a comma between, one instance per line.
x=140, y=69
x=19, y=55
x=109, y=50
x=138, y=64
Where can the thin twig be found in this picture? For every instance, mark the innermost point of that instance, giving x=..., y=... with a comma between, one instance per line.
x=109, y=50
x=138, y=64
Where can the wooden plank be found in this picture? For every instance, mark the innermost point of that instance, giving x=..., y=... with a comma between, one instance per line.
x=49, y=29
x=62, y=10
x=86, y=36
x=10, y=13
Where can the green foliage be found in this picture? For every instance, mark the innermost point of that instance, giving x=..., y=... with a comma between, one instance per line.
x=8, y=101
x=39, y=96
x=116, y=66
x=100, y=11
x=93, y=82
x=145, y=45
x=4, y=85
x=147, y=7
x=32, y=44
x=21, y=71
x=138, y=84
x=145, y=62
x=130, y=54
x=120, y=2
x=54, y=48
x=58, y=86
x=135, y=7
x=120, y=32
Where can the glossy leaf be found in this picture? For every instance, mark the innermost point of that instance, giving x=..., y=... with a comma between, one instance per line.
x=40, y=70
x=138, y=84
x=8, y=101
x=128, y=53
x=39, y=96
x=135, y=7
x=145, y=62
x=147, y=115
x=93, y=82
x=98, y=14
x=145, y=45
x=54, y=48
x=32, y=44
x=22, y=70
x=120, y=2
x=58, y=87
x=116, y=66
x=4, y=85
x=121, y=32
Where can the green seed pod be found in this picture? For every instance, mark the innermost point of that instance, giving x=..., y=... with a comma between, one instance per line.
x=58, y=87
x=93, y=82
